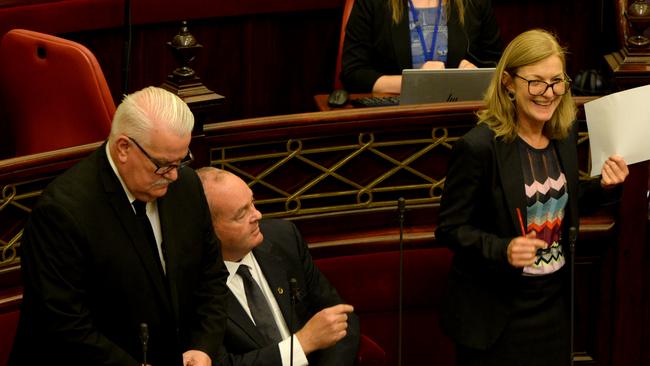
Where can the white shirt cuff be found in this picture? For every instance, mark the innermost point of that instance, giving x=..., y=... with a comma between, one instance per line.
x=299, y=357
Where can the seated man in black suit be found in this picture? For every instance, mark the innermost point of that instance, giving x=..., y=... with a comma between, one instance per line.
x=274, y=253
x=124, y=238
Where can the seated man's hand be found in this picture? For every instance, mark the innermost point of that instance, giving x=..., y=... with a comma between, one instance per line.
x=325, y=328
x=195, y=357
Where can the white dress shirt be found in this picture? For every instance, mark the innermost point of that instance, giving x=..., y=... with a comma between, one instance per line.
x=151, y=208
x=236, y=286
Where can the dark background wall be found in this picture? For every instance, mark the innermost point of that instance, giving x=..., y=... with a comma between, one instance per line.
x=270, y=57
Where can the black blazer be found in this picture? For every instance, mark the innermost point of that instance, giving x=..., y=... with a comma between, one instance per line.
x=375, y=46
x=91, y=278
x=284, y=255
x=478, y=219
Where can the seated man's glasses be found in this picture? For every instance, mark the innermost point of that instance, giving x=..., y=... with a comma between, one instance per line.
x=164, y=168
x=539, y=87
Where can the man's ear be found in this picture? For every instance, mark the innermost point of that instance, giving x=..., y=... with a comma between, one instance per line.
x=122, y=146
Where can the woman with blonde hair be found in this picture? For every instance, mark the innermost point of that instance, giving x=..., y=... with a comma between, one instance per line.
x=383, y=37
x=511, y=195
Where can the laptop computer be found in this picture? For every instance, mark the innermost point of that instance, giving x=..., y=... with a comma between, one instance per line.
x=446, y=85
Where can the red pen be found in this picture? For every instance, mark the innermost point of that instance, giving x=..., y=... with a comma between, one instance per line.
x=521, y=222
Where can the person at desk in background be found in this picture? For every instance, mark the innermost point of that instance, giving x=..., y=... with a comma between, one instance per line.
x=270, y=253
x=383, y=37
x=511, y=195
x=125, y=238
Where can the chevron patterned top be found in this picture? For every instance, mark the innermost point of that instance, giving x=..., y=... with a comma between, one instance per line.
x=546, y=198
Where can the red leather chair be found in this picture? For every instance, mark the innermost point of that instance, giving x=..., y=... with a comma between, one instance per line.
x=347, y=8
x=8, y=326
x=370, y=353
x=53, y=92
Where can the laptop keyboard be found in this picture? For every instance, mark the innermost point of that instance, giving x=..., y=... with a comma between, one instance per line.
x=375, y=101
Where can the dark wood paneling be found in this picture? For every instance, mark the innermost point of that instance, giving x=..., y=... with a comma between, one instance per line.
x=630, y=284
x=645, y=316
x=267, y=64
x=66, y=16
x=271, y=57
x=586, y=27
x=263, y=64
x=612, y=321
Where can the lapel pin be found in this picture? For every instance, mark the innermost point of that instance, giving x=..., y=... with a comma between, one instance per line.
x=280, y=290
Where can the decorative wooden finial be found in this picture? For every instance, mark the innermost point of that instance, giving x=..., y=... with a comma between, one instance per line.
x=185, y=48
x=184, y=81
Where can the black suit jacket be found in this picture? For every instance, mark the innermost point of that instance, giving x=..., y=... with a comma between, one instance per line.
x=375, y=46
x=91, y=278
x=478, y=219
x=284, y=255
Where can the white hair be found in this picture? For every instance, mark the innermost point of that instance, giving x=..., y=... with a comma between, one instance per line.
x=141, y=111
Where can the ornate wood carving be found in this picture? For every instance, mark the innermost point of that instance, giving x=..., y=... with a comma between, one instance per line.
x=184, y=81
x=338, y=174
x=630, y=66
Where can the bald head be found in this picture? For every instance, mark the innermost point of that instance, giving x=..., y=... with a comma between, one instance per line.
x=212, y=177
x=234, y=216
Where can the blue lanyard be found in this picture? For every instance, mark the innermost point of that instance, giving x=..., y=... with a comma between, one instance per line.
x=428, y=55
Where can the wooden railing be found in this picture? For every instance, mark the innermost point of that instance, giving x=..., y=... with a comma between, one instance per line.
x=338, y=176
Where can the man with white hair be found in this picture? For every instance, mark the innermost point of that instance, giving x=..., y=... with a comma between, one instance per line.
x=120, y=263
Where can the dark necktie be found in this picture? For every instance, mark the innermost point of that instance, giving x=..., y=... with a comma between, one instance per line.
x=145, y=224
x=259, y=307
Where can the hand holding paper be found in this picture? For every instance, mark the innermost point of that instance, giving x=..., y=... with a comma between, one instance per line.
x=614, y=172
x=619, y=124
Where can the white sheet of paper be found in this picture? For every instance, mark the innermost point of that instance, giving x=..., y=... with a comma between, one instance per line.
x=619, y=123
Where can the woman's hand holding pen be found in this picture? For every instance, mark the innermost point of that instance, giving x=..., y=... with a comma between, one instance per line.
x=522, y=250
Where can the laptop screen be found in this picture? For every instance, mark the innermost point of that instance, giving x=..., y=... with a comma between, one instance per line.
x=446, y=85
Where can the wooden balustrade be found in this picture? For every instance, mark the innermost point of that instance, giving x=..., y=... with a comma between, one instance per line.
x=338, y=175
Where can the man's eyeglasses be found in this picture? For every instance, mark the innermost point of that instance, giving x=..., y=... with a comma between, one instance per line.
x=162, y=169
x=539, y=87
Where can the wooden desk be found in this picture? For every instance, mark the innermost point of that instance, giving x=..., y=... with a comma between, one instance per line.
x=321, y=101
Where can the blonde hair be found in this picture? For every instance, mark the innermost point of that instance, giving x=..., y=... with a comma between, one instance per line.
x=500, y=113
x=397, y=9
x=138, y=112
